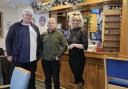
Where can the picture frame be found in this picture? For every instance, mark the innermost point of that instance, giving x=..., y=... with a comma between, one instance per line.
x=93, y=36
x=1, y=24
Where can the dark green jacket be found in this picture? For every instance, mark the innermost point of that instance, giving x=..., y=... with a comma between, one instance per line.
x=53, y=45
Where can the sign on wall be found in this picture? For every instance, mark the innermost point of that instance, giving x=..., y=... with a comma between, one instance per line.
x=1, y=23
x=41, y=21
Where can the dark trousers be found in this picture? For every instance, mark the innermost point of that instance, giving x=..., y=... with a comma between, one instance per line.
x=77, y=64
x=51, y=71
x=31, y=66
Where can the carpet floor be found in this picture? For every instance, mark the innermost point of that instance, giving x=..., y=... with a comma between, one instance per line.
x=41, y=85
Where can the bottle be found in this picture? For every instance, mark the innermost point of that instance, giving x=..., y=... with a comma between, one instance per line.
x=99, y=47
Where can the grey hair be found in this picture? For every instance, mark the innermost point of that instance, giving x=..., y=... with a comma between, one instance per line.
x=27, y=11
x=52, y=18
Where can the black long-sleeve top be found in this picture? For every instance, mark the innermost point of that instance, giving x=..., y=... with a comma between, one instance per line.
x=78, y=36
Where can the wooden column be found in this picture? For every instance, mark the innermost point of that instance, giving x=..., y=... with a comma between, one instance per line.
x=124, y=30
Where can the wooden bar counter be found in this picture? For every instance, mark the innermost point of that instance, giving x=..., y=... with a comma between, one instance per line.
x=93, y=72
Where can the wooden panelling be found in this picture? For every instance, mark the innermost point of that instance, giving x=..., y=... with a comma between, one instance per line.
x=92, y=77
x=93, y=25
x=124, y=30
x=66, y=74
x=44, y=0
x=93, y=0
x=39, y=71
x=93, y=72
x=111, y=30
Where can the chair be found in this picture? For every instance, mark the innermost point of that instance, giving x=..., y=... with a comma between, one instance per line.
x=6, y=67
x=20, y=79
x=116, y=73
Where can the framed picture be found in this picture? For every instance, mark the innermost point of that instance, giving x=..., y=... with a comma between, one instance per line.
x=93, y=36
x=42, y=20
x=1, y=23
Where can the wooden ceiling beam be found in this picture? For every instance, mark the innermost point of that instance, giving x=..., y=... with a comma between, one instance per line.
x=44, y=1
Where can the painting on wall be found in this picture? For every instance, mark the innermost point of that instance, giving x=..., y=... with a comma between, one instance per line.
x=1, y=23
x=41, y=21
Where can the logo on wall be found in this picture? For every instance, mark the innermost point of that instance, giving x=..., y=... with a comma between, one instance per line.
x=42, y=21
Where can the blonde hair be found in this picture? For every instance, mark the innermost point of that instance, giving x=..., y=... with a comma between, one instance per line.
x=73, y=14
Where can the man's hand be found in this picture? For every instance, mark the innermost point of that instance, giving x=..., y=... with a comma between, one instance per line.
x=9, y=58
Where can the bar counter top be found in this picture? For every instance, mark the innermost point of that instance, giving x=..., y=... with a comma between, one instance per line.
x=100, y=55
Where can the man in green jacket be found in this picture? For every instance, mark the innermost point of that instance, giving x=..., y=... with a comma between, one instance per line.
x=54, y=45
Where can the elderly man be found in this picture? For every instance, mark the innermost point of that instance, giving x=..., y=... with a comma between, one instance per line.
x=54, y=45
x=23, y=45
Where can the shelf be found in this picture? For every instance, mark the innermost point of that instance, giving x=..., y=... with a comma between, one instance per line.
x=91, y=3
x=60, y=7
x=112, y=15
x=112, y=21
x=112, y=40
x=111, y=50
x=111, y=28
x=111, y=46
x=112, y=33
x=94, y=3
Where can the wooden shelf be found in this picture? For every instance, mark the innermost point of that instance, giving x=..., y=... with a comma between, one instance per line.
x=60, y=7
x=110, y=46
x=114, y=40
x=112, y=33
x=112, y=15
x=93, y=3
x=111, y=30
x=116, y=29
x=44, y=1
x=112, y=21
x=68, y=6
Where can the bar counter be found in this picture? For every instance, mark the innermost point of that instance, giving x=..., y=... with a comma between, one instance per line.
x=93, y=72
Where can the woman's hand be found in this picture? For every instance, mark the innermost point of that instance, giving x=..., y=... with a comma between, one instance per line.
x=80, y=46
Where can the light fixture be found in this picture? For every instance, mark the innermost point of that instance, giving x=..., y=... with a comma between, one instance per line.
x=12, y=4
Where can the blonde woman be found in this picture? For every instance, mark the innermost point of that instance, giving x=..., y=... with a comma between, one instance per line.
x=77, y=42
